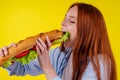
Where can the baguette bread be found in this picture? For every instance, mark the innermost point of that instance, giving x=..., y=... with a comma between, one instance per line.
x=28, y=43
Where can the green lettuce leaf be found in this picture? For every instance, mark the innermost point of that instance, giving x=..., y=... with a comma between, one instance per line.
x=33, y=54
x=62, y=39
x=8, y=63
x=24, y=60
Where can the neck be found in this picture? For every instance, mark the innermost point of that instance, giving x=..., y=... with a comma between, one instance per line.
x=68, y=44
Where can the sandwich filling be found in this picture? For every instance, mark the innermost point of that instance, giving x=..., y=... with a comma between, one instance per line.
x=31, y=54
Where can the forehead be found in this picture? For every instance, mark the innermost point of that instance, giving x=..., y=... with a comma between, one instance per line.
x=72, y=12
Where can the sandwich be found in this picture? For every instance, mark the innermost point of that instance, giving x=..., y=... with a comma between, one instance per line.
x=25, y=50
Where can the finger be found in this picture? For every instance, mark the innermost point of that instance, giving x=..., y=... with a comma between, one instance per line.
x=12, y=44
x=1, y=53
x=48, y=41
x=40, y=46
x=43, y=43
x=38, y=50
x=5, y=50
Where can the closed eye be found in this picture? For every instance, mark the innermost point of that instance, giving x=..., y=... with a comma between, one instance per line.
x=72, y=21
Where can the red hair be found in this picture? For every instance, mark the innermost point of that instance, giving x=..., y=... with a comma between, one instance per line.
x=92, y=40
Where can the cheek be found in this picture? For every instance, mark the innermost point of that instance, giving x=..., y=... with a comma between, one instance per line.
x=73, y=33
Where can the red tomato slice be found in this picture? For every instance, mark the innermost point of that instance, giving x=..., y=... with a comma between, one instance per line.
x=22, y=54
x=34, y=48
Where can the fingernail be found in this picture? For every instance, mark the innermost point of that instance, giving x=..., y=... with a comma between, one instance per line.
x=46, y=36
x=14, y=45
x=36, y=40
x=6, y=53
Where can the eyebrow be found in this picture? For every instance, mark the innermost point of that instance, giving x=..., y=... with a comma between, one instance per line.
x=73, y=17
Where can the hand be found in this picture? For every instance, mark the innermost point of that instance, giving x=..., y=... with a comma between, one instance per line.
x=43, y=52
x=4, y=50
x=44, y=58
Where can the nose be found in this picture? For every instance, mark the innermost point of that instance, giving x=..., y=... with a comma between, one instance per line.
x=63, y=23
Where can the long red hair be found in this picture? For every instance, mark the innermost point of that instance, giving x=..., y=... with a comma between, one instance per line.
x=92, y=40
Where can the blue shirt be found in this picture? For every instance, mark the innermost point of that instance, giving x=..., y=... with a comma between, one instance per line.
x=58, y=60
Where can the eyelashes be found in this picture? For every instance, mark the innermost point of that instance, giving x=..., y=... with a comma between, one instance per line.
x=71, y=21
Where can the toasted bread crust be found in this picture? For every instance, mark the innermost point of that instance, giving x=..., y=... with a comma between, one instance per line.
x=29, y=42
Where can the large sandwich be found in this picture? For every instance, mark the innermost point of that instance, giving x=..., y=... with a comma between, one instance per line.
x=25, y=50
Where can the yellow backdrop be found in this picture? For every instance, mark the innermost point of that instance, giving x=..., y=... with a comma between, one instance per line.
x=23, y=18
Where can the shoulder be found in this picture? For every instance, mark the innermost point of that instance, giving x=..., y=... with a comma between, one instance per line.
x=90, y=73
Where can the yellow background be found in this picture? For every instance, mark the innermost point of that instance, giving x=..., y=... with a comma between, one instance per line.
x=22, y=18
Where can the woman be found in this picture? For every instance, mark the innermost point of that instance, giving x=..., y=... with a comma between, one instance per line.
x=86, y=55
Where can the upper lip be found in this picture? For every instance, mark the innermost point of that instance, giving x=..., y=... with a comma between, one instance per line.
x=63, y=30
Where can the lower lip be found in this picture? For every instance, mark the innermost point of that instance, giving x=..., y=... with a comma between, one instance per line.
x=63, y=30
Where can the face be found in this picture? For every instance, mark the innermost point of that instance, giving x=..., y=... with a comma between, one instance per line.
x=70, y=23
